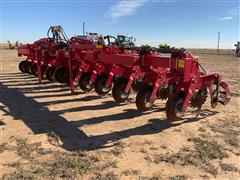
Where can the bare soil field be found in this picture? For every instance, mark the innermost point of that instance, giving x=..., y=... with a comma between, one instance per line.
x=48, y=134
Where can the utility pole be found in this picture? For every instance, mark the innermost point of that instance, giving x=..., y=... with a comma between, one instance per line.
x=218, y=41
x=83, y=28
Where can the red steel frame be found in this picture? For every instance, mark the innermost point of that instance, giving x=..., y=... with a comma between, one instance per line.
x=165, y=70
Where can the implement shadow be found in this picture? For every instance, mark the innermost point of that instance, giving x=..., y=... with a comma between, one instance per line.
x=127, y=114
x=38, y=117
x=40, y=120
x=154, y=126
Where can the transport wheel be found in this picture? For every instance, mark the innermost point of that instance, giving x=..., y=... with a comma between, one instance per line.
x=22, y=66
x=100, y=85
x=61, y=75
x=142, y=99
x=29, y=67
x=174, y=105
x=84, y=82
x=118, y=90
x=34, y=70
x=50, y=71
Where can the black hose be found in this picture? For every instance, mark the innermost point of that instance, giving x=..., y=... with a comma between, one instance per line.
x=202, y=68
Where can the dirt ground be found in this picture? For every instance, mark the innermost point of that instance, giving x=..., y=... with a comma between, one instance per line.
x=48, y=134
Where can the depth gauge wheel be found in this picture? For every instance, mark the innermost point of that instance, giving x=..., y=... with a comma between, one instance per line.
x=118, y=90
x=84, y=82
x=100, y=85
x=142, y=99
x=22, y=66
x=34, y=70
x=29, y=67
x=174, y=105
x=61, y=75
x=50, y=71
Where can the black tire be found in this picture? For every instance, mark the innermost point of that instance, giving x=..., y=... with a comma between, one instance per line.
x=136, y=86
x=50, y=71
x=118, y=90
x=22, y=66
x=29, y=67
x=84, y=82
x=34, y=70
x=43, y=69
x=100, y=85
x=174, y=107
x=61, y=75
x=142, y=98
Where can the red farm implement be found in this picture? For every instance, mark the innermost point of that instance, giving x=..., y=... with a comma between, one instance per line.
x=42, y=54
x=76, y=61
x=29, y=51
x=92, y=59
x=108, y=62
x=182, y=80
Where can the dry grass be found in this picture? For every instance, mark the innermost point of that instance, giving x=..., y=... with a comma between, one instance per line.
x=200, y=155
x=37, y=163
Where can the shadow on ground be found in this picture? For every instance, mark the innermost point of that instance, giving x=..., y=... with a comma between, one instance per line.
x=38, y=117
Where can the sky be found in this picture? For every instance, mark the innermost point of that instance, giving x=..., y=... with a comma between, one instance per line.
x=180, y=23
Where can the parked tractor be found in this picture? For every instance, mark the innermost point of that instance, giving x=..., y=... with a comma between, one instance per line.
x=165, y=48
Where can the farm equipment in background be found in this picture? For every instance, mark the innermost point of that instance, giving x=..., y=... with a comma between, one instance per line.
x=91, y=59
x=182, y=80
x=79, y=61
x=57, y=40
x=111, y=50
x=17, y=44
x=71, y=60
x=29, y=51
x=42, y=54
x=237, y=49
x=165, y=48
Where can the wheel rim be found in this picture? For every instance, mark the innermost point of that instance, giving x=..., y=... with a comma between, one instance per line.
x=23, y=66
x=84, y=82
x=50, y=73
x=29, y=65
x=103, y=87
x=124, y=95
x=147, y=103
x=178, y=108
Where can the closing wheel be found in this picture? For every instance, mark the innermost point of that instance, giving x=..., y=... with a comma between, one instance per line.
x=34, y=70
x=29, y=67
x=174, y=105
x=84, y=82
x=99, y=85
x=61, y=75
x=142, y=99
x=22, y=66
x=118, y=90
x=50, y=71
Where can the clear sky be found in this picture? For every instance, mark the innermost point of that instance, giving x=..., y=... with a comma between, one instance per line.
x=181, y=23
